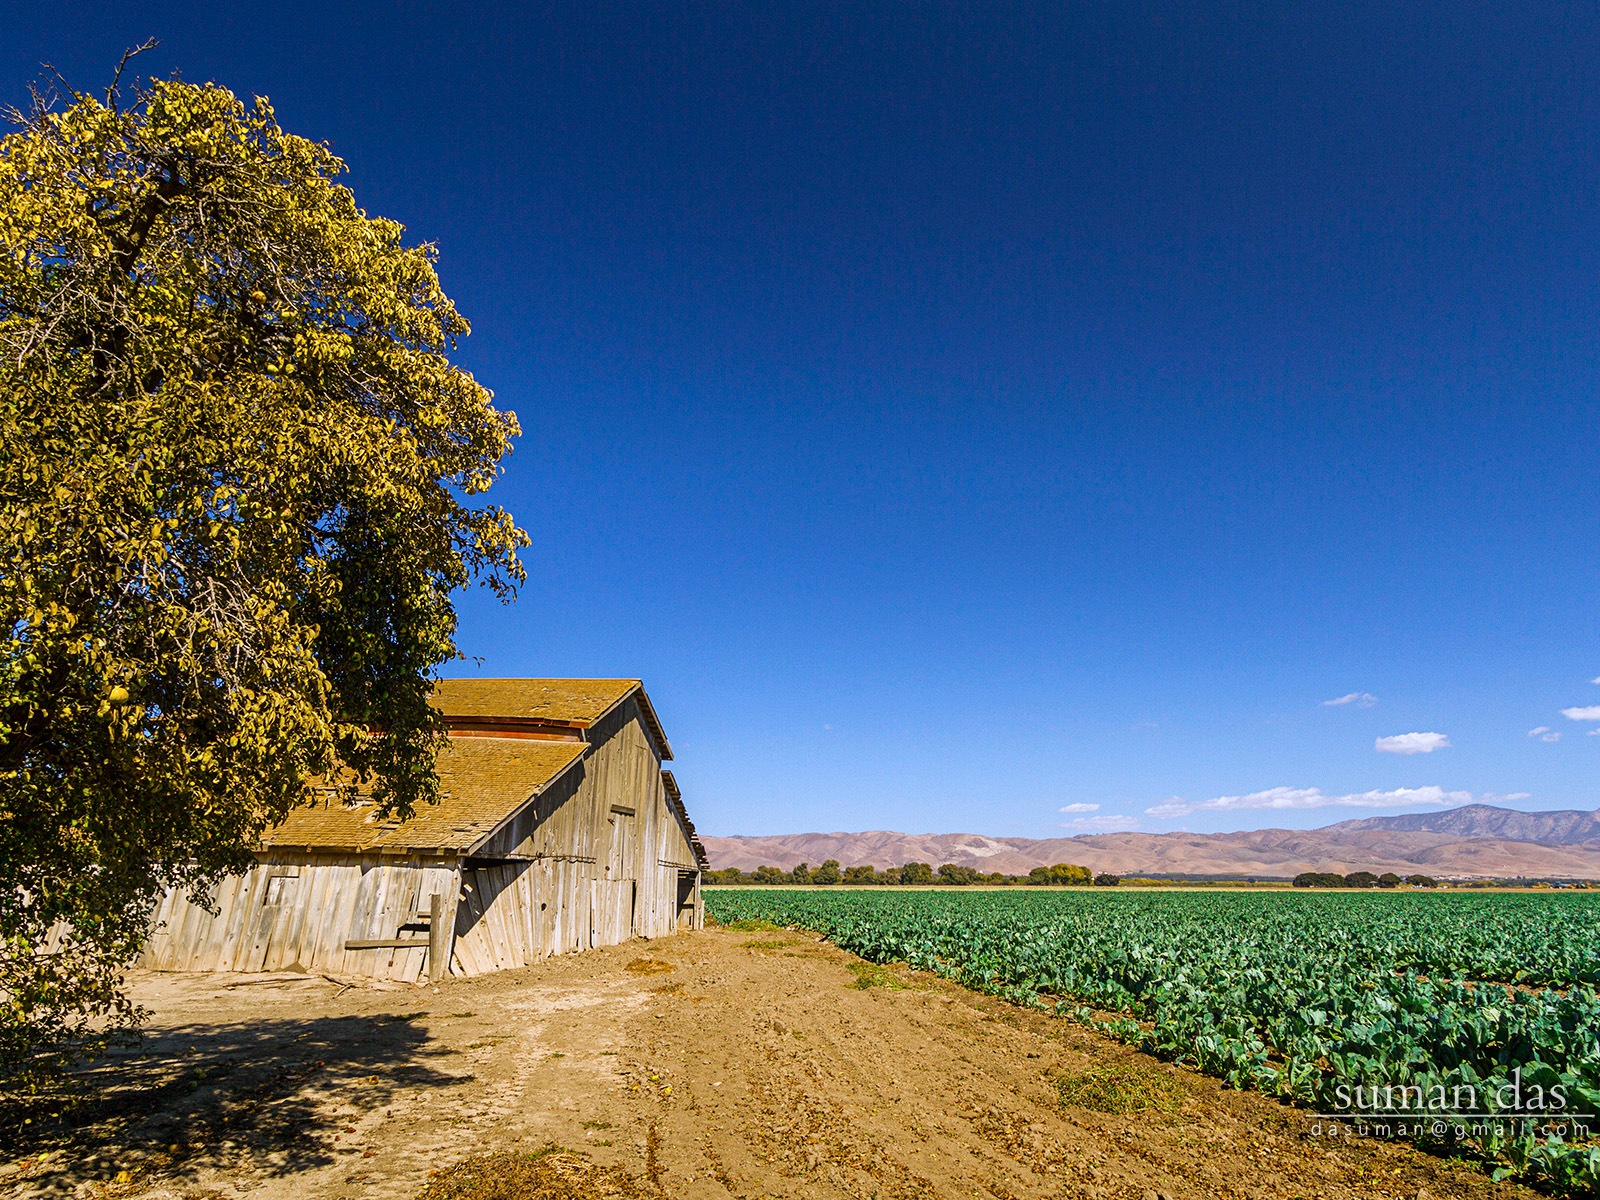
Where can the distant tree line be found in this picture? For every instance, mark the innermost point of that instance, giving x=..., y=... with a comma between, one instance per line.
x=913, y=874
x=1361, y=879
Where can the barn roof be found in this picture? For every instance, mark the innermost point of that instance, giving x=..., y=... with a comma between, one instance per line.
x=585, y=700
x=482, y=782
x=675, y=803
x=578, y=703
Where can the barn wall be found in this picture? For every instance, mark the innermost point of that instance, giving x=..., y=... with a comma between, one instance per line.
x=577, y=868
x=598, y=857
x=295, y=911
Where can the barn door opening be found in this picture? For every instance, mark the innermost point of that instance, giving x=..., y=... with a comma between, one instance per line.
x=279, y=900
x=621, y=873
x=687, y=882
x=620, y=862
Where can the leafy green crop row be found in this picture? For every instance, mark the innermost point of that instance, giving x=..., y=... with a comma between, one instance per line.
x=1303, y=996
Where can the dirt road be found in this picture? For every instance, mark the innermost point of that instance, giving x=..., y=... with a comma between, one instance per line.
x=708, y=1065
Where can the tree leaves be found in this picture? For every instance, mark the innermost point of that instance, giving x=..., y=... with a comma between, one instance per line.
x=234, y=454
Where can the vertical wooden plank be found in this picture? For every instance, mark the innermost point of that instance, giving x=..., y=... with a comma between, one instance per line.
x=232, y=920
x=469, y=924
x=159, y=942
x=495, y=921
x=369, y=893
x=203, y=931
x=299, y=945
x=437, y=939
x=343, y=886
x=182, y=928
x=158, y=945
x=461, y=955
x=405, y=907
x=259, y=923
x=488, y=944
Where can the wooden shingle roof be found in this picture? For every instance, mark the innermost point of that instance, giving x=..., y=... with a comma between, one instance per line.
x=482, y=780
x=469, y=704
x=578, y=700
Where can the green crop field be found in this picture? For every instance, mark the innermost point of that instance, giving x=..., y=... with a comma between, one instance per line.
x=1476, y=1005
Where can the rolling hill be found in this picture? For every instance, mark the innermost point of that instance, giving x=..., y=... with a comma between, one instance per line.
x=1476, y=841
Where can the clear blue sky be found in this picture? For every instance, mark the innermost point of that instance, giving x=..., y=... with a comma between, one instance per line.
x=959, y=413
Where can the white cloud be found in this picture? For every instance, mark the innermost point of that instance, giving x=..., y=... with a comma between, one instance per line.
x=1106, y=824
x=1591, y=713
x=1361, y=699
x=1596, y=679
x=1079, y=808
x=1545, y=734
x=1412, y=743
x=1287, y=798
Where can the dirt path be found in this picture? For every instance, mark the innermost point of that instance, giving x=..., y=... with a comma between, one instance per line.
x=709, y=1065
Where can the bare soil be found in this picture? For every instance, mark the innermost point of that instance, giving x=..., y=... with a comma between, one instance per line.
x=709, y=1065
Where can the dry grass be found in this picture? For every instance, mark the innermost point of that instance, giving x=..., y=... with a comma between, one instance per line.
x=550, y=1174
x=1126, y=1088
x=753, y=925
x=876, y=975
x=648, y=966
x=769, y=943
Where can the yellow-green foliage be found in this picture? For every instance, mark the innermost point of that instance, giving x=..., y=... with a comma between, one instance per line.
x=1061, y=873
x=234, y=454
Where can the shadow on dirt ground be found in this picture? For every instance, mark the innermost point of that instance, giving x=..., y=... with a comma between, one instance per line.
x=269, y=1095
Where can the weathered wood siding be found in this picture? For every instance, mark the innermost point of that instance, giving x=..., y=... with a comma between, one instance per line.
x=594, y=861
x=597, y=858
x=296, y=911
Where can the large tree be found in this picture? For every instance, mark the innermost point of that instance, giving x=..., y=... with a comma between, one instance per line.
x=236, y=470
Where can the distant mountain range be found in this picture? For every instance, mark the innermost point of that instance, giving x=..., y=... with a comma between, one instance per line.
x=1568, y=827
x=1476, y=841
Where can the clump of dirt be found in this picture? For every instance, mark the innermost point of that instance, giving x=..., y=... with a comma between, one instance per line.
x=1124, y=1088
x=648, y=966
x=549, y=1174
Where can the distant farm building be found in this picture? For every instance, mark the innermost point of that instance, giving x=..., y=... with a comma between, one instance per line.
x=557, y=831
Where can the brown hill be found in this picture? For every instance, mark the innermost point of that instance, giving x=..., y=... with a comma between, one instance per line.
x=1371, y=845
x=1565, y=827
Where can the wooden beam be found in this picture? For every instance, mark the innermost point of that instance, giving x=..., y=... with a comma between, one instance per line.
x=438, y=943
x=385, y=943
x=517, y=727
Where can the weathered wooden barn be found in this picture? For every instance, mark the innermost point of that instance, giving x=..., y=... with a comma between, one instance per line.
x=557, y=830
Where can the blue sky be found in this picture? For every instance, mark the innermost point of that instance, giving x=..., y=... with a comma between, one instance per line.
x=957, y=414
